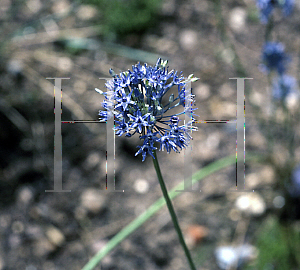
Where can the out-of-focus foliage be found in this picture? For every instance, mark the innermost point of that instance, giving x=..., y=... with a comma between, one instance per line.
x=278, y=246
x=126, y=16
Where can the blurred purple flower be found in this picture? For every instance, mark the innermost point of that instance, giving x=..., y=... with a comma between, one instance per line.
x=266, y=8
x=294, y=189
x=283, y=86
x=138, y=109
x=274, y=58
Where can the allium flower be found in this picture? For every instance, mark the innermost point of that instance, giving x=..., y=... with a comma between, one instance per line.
x=283, y=86
x=294, y=189
x=274, y=57
x=266, y=7
x=134, y=98
x=287, y=6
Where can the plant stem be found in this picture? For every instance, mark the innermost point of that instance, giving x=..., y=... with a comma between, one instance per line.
x=156, y=206
x=172, y=212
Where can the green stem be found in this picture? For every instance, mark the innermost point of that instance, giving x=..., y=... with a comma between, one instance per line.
x=172, y=212
x=157, y=205
x=269, y=29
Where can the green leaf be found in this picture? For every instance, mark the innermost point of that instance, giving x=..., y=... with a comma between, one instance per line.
x=155, y=207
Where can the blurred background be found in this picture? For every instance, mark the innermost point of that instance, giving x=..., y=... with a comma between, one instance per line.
x=215, y=40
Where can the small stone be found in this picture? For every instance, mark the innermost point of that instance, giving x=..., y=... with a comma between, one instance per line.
x=279, y=202
x=98, y=245
x=42, y=210
x=268, y=174
x=188, y=39
x=213, y=141
x=86, y=12
x=29, y=32
x=185, y=12
x=159, y=250
x=141, y=186
x=257, y=98
x=228, y=110
x=1, y=263
x=227, y=55
x=34, y=5
x=257, y=139
x=43, y=247
x=14, y=241
x=49, y=266
x=55, y=236
x=168, y=7
x=202, y=91
x=166, y=45
x=280, y=115
x=280, y=154
x=226, y=90
x=64, y=64
x=169, y=30
x=30, y=267
x=229, y=256
x=17, y=227
x=4, y=8
x=50, y=26
x=251, y=203
x=206, y=64
x=15, y=66
x=61, y=7
x=33, y=232
x=292, y=101
x=92, y=200
x=237, y=19
x=77, y=248
x=80, y=87
x=92, y=160
x=215, y=105
x=297, y=155
x=27, y=144
x=150, y=41
x=234, y=215
x=252, y=180
x=206, y=152
x=80, y=213
x=5, y=221
x=25, y=195
x=195, y=234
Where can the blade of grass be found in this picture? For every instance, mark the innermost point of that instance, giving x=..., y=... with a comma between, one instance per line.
x=131, y=227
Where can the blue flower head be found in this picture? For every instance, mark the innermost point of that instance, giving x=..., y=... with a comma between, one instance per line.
x=266, y=8
x=294, y=188
x=134, y=99
x=274, y=58
x=283, y=86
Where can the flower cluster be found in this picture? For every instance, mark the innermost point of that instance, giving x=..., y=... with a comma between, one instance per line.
x=266, y=7
x=294, y=189
x=274, y=58
x=134, y=99
x=284, y=86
